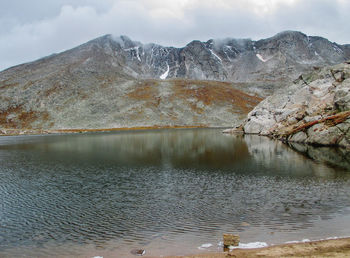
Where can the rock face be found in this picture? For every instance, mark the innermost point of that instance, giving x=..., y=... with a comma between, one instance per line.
x=315, y=109
x=116, y=82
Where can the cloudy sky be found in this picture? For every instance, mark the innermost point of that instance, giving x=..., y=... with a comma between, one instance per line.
x=36, y=28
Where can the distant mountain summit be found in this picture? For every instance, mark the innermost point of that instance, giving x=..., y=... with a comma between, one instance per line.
x=116, y=82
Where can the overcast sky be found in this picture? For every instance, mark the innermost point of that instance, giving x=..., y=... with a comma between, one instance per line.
x=36, y=28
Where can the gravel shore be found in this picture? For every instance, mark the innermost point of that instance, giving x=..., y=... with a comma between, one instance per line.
x=322, y=248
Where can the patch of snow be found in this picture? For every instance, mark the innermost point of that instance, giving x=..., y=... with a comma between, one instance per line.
x=137, y=54
x=212, y=52
x=165, y=75
x=316, y=53
x=229, y=47
x=296, y=242
x=137, y=51
x=87, y=60
x=308, y=240
x=250, y=245
x=307, y=62
x=128, y=49
x=205, y=246
x=261, y=58
x=98, y=257
x=336, y=48
x=292, y=242
x=331, y=238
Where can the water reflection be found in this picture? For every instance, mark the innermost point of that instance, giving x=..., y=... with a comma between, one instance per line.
x=274, y=153
x=336, y=157
x=126, y=190
x=178, y=148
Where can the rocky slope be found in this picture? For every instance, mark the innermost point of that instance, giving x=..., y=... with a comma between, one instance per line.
x=315, y=109
x=107, y=103
x=116, y=82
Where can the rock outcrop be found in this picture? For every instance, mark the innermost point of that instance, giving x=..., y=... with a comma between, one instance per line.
x=315, y=109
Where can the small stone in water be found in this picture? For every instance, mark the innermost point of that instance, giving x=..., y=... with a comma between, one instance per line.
x=138, y=252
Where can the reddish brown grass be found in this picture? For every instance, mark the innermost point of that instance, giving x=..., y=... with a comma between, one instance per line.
x=5, y=84
x=208, y=92
x=213, y=92
x=23, y=119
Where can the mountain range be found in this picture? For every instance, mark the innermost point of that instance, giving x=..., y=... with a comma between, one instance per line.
x=114, y=82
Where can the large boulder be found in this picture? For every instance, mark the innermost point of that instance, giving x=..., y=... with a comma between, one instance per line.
x=314, y=109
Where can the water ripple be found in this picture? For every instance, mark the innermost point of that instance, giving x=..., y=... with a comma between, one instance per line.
x=54, y=194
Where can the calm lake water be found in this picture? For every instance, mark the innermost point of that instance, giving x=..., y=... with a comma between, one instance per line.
x=166, y=191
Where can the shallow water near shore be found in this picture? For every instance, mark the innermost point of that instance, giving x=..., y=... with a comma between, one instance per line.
x=165, y=191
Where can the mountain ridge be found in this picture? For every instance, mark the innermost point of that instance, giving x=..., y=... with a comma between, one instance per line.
x=217, y=54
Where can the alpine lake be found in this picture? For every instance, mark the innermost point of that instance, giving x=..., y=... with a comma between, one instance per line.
x=168, y=192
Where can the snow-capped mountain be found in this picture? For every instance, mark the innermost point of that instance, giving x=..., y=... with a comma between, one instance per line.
x=116, y=82
x=239, y=60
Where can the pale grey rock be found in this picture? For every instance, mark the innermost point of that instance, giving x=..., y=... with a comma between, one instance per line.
x=345, y=126
x=292, y=120
x=304, y=104
x=320, y=134
x=259, y=125
x=345, y=142
x=298, y=137
x=308, y=119
x=342, y=96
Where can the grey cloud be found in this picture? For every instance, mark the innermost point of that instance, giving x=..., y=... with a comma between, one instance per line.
x=33, y=29
x=34, y=10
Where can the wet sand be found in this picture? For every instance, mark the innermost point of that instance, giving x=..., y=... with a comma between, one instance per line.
x=322, y=248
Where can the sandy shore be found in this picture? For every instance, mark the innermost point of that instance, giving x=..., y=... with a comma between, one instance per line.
x=323, y=248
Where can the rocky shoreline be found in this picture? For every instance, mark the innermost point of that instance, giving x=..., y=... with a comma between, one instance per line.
x=314, y=109
x=322, y=248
